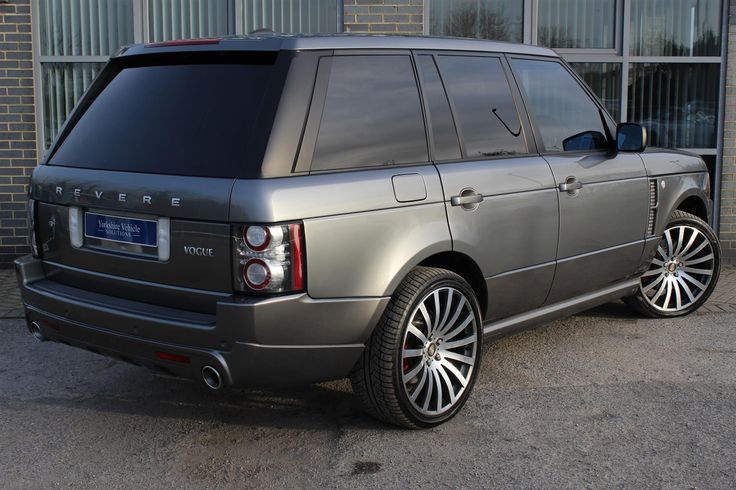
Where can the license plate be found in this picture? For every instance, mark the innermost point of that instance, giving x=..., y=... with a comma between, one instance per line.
x=121, y=229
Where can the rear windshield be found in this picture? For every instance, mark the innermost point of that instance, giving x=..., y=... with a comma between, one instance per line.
x=182, y=119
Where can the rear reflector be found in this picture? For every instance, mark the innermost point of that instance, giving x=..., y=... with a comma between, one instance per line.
x=185, y=42
x=168, y=356
x=298, y=256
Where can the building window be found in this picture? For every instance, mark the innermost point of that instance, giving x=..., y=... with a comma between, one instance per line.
x=571, y=24
x=675, y=28
x=291, y=16
x=605, y=80
x=76, y=38
x=501, y=20
x=184, y=19
x=677, y=102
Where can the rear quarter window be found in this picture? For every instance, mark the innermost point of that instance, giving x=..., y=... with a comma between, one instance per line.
x=372, y=114
x=194, y=119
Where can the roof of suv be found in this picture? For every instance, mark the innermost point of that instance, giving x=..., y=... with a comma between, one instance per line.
x=298, y=42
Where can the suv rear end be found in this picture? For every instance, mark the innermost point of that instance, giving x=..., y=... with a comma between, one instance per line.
x=139, y=251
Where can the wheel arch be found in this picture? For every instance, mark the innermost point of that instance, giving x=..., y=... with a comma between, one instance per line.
x=693, y=204
x=465, y=267
x=682, y=192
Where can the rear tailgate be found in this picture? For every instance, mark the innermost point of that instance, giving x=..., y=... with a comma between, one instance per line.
x=133, y=199
x=198, y=266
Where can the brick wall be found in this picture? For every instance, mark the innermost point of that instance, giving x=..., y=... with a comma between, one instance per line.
x=384, y=16
x=17, y=126
x=728, y=188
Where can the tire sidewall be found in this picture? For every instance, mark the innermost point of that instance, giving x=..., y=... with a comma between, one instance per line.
x=448, y=279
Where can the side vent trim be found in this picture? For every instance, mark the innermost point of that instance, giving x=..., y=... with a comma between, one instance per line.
x=653, y=205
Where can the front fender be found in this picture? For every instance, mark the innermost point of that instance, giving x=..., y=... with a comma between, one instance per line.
x=673, y=190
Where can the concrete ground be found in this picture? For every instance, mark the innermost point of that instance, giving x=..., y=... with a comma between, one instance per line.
x=602, y=399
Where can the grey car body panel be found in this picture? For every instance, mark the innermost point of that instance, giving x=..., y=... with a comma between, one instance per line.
x=347, y=213
x=561, y=309
x=542, y=253
x=253, y=341
x=514, y=227
x=325, y=194
x=660, y=161
x=603, y=224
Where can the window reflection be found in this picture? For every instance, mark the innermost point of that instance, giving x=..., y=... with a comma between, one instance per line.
x=605, y=80
x=372, y=115
x=63, y=86
x=444, y=134
x=500, y=20
x=677, y=103
x=675, y=27
x=567, y=118
x=484, y=106
x=577, y=24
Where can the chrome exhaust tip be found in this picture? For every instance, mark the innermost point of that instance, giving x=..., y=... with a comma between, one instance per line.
x=36, y=331
x=212, y=378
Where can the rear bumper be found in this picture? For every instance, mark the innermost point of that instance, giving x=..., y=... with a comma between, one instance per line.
x=252, y=342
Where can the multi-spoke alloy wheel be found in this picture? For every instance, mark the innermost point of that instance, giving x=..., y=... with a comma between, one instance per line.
x=684, y=270
x=421, y=362
x=439, y=351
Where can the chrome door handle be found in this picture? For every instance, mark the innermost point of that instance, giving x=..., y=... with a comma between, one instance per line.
x=571, y=185
x=466, y=199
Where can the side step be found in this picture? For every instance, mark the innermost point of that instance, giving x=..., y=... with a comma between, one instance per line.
x=562, y=309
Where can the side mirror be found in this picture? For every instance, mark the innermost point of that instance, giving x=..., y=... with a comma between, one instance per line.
x=631, y=137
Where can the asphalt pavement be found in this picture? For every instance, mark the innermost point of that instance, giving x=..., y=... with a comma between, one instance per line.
x=603, y=399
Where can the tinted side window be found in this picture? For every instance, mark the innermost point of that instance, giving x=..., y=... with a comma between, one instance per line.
x=484, y=106
x=446, y=144
x=372, y=114
x=564, y=113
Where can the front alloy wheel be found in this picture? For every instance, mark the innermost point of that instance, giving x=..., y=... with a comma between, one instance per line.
x=684, y=270
x=422, y=359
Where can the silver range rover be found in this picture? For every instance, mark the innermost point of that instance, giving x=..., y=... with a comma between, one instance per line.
x=260, y=211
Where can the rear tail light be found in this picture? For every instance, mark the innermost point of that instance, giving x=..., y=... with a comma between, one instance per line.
x=269, y=258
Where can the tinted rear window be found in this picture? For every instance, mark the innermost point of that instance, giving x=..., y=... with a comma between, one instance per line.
x=182, y=119
x=372, y=115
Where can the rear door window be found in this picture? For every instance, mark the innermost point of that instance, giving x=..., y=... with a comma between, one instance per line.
x=484, y=106
x=179, y=119
x=372, y=114
x=563, y=112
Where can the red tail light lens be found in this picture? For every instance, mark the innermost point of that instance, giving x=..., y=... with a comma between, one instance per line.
x=269, y=258
x=168, y=356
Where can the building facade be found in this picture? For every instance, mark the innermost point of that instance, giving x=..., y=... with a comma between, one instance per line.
x=668, y=64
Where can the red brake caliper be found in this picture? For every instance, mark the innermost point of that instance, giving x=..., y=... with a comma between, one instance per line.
x=406, y=361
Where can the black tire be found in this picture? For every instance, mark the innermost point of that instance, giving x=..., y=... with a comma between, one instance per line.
x=378, y=378
x=643, y=305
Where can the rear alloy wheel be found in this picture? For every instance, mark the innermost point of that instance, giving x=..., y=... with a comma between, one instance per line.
x=684, y=270
x=421, y=362
x=439, y=351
